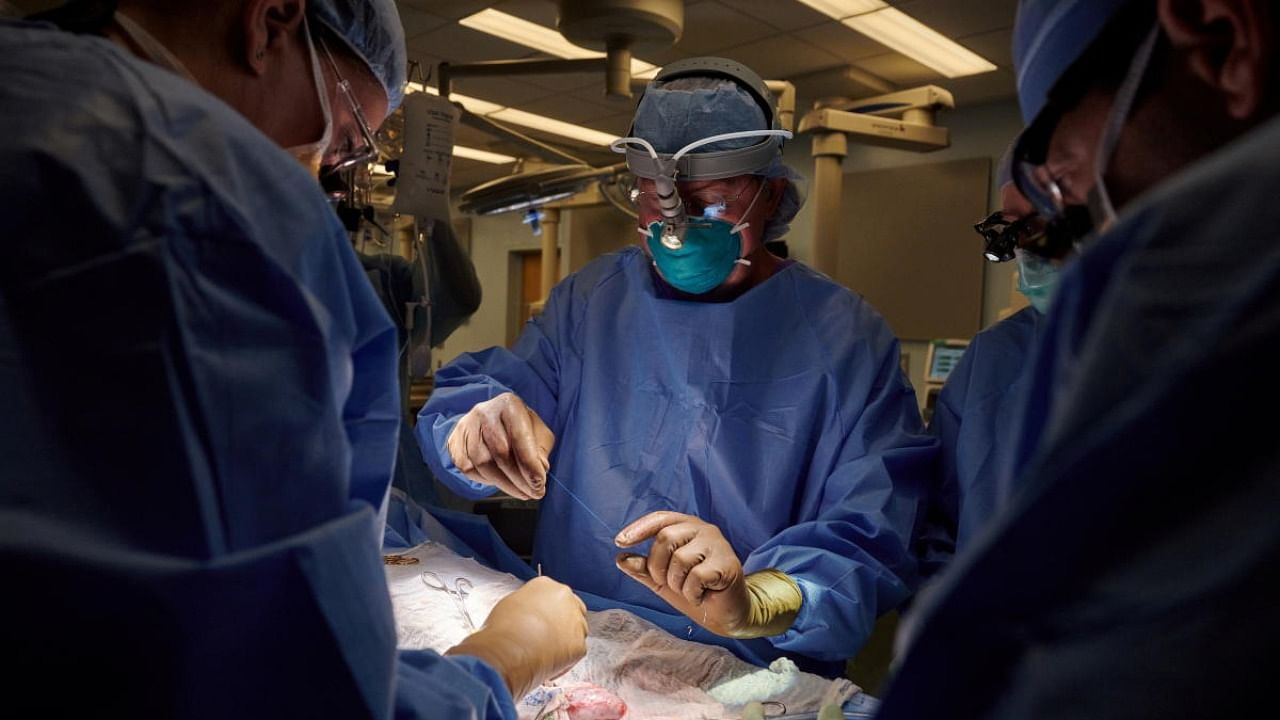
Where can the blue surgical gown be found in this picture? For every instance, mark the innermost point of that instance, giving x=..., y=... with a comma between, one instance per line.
x=1132, y=573
x=198, y=414
x=975, y=421
x=781, y=417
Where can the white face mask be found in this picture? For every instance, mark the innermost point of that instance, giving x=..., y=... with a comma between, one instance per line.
x=311, y=155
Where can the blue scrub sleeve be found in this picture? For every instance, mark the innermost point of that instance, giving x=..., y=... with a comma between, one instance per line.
x=532, y=371
x=429, y=685
x=853, y=561
x=371, y=413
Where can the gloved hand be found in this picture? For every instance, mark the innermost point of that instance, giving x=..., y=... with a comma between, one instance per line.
x=502, y=442
x=696, y=571
x=532, y=635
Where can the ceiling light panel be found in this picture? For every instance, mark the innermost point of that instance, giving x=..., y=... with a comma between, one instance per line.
x=901, y=32
x=532, y=35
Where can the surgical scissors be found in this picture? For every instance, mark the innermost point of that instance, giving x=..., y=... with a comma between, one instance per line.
x=461, y=588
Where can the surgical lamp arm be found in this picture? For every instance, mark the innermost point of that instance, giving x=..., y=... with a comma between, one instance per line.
x=537, y=147
x=785, y=92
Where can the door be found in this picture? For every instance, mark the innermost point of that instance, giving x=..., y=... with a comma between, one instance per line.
x=523, y=291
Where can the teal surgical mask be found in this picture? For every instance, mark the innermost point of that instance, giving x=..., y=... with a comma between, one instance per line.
x=1037, y=279
x=709, y=250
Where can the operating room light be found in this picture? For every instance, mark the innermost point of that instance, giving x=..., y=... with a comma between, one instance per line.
x=533, y=202
x=522, y=118
x=540, y=38
x=901, y=32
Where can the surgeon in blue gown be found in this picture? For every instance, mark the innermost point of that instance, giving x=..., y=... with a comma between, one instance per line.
x=1132, y=574
x=199, y=409
x=741, y=419
x=980, y=405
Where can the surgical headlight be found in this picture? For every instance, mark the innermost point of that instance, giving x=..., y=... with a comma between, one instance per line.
x=664, y=169
x=1002, y=237
x=644, y=162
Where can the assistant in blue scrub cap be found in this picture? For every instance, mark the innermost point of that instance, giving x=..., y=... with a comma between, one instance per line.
x=200, y=399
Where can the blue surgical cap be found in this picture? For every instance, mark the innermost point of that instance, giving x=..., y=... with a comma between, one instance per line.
x=673, y=114
x=1049, y=36
x=372, y=30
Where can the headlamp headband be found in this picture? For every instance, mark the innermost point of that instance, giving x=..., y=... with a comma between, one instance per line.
x=720, y=164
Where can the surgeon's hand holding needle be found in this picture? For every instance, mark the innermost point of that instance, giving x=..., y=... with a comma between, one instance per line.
x=502, y=442
x=535, y=634
x=692, y=566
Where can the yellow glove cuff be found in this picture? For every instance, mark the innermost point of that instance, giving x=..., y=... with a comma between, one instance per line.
x=775, y=602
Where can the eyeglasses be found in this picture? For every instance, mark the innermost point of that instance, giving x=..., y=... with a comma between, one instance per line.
x=703, y=202
x=350, y=151
x=1030, y=174
x=1062, y=224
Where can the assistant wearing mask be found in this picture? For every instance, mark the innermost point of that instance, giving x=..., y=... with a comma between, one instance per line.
x=1129, y=575
x=979, y=408
x=204, y=529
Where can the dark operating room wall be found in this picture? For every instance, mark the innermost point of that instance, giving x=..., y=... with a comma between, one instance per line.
x=913, y=253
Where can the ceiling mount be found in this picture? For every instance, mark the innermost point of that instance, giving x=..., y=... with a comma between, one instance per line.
x=614, y=26
x=904, y=120
x=602, y=24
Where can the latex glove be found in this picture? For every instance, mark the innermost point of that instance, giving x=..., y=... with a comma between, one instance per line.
x=694, y=569
x=502, y=442
x=535, y=634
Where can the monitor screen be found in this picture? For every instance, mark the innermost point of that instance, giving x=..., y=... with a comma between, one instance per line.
x=943, y=361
